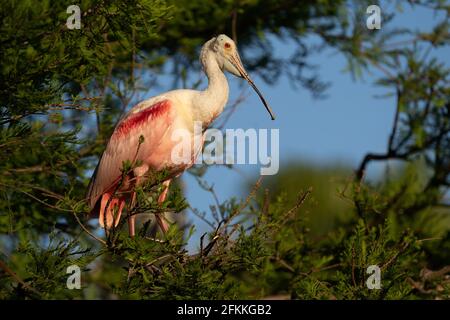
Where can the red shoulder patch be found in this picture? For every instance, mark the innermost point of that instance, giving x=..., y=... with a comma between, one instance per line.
x=137, y=119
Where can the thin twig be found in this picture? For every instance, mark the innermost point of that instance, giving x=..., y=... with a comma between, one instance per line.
x=17, y=278
x=234, y=25
x=245, y=204
x=301, y=199
x=87, y=231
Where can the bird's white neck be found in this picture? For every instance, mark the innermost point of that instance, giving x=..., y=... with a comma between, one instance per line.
x=208, y=104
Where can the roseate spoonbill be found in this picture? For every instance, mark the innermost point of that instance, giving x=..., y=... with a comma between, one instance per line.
x=156, y=119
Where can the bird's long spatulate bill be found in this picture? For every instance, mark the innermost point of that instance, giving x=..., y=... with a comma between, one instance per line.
x=272, y=116
x=237, y=63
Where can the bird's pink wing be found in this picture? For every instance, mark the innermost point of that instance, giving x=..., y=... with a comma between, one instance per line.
x=152, y=123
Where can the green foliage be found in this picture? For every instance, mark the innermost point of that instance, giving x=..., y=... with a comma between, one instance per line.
x=46, y=268
x=62, y=91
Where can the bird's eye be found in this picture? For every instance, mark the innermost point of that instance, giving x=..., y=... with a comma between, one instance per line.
x=227, y=45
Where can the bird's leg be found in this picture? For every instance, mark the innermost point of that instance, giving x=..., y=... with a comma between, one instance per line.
x=139, y=172
x=132, y=217
x=162, y=197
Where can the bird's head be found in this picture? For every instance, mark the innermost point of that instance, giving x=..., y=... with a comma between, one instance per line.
x=228, y=59
x=228, y=56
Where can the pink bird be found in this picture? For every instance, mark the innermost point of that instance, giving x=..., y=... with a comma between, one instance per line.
x=157, y=120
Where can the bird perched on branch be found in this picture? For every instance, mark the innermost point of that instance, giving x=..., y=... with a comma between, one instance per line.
x=145, y=136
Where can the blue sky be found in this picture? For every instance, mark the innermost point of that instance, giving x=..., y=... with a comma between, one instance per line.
x=342, y=128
